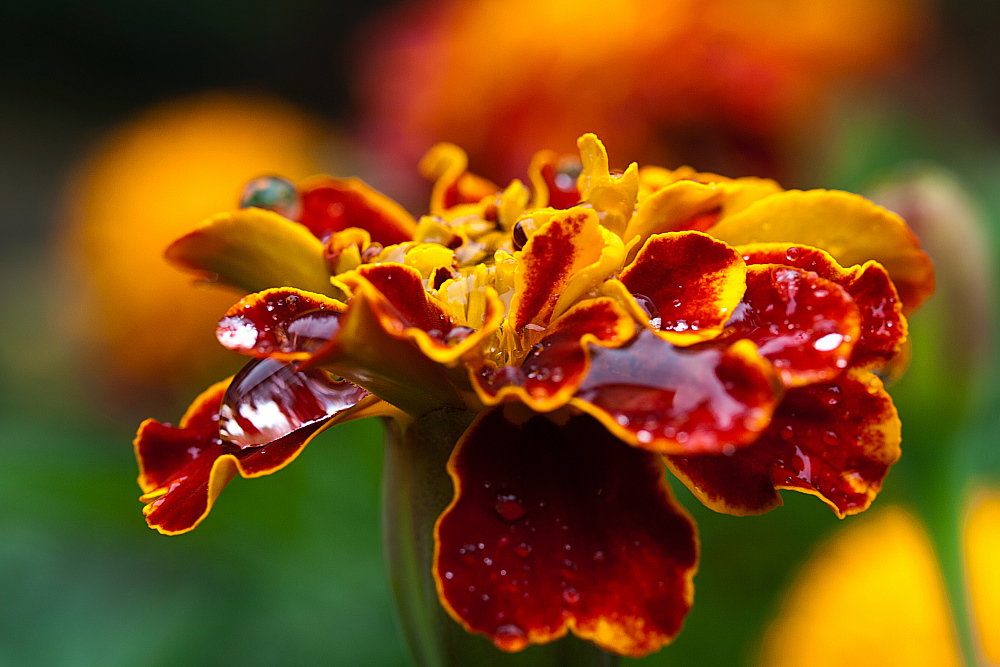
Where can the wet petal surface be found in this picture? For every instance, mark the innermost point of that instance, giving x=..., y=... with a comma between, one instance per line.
x=691, y=284
x=803, y=324
x=553, y=370
x=280, y=323
x=557, y=528
x=883, y=327
x=184, y=468
x=663, y=398
x=835, y=440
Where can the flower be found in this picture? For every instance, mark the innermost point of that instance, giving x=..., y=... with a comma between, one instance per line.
x=148, y=181
x=889, y=561
x=727, y=81
x=642, y=317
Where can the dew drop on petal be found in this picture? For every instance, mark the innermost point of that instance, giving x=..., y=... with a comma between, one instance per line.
x=274, y=194
x=509, y=506
x=571, y=596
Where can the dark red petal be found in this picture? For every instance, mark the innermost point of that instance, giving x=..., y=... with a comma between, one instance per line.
x=268, y=399
x=883, y=327
x=274, y=412
x=554, y=368
x=163, y=450
x=332, y=205
x=283, y=322
x=693, y=281
x=557, y=528
x=835, y=440
x=191, y=493
x=803, y=324
x=675, y=400
x=403, y=288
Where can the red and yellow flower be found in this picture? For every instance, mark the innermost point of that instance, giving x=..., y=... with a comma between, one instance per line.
x=580, y=333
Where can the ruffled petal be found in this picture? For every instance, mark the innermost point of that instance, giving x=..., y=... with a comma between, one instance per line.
x=659, y=397
x=333, y=204
x=849, y=227
x=562, y=528
x=567, y=257
x=252, y=249
x=551, y=373
x=689, y=282
x=681, y=205
x=611, y=194
x=401, y=344
x=446, y=164
x=183, y=469
x=835, y=440
x=803, y=324
x=280, y=323
x=553, y=178
x=883, y=326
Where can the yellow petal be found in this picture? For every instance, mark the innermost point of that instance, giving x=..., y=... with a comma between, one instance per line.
x=252, y=250
x=849, y=227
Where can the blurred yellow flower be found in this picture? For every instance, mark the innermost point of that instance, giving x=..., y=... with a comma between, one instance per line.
x=149, y=181
x=874, y=596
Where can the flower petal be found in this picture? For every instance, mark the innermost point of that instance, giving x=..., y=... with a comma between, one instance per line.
x=446, y=165
x=835, y=440
x=803, y=324
x=557, y=528
x=659, y=397
x=883, y=326
x=253, y=249
x=333, y=204
x=611, y=194
x=401, y=344
x=551, y=373
x=281, y=323
x=679, y=206
x=849, y=227
x=690, y=282
x=553, y=178
x=568, y=256
x=183, y=469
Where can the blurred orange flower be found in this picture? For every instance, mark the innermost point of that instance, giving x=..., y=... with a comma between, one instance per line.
x=659, y=80
x=152, y=179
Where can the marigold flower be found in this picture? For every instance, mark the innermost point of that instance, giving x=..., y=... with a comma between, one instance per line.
x=558, y=344
x=140, y=188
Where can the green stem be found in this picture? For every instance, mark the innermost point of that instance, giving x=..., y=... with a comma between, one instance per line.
x=416, y=488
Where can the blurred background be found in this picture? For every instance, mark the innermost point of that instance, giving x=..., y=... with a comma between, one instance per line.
x=123, y=125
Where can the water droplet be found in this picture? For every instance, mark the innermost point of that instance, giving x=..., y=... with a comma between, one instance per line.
x=274, y=194
x=522, y=232
x=788, y=432
x=509, y=635
x=449, y=575
x=509, y=506
x=457, y=335
x=728, y=449
x=269, y=399
x=571, y=596
x=522, y=549
x=831, y=437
